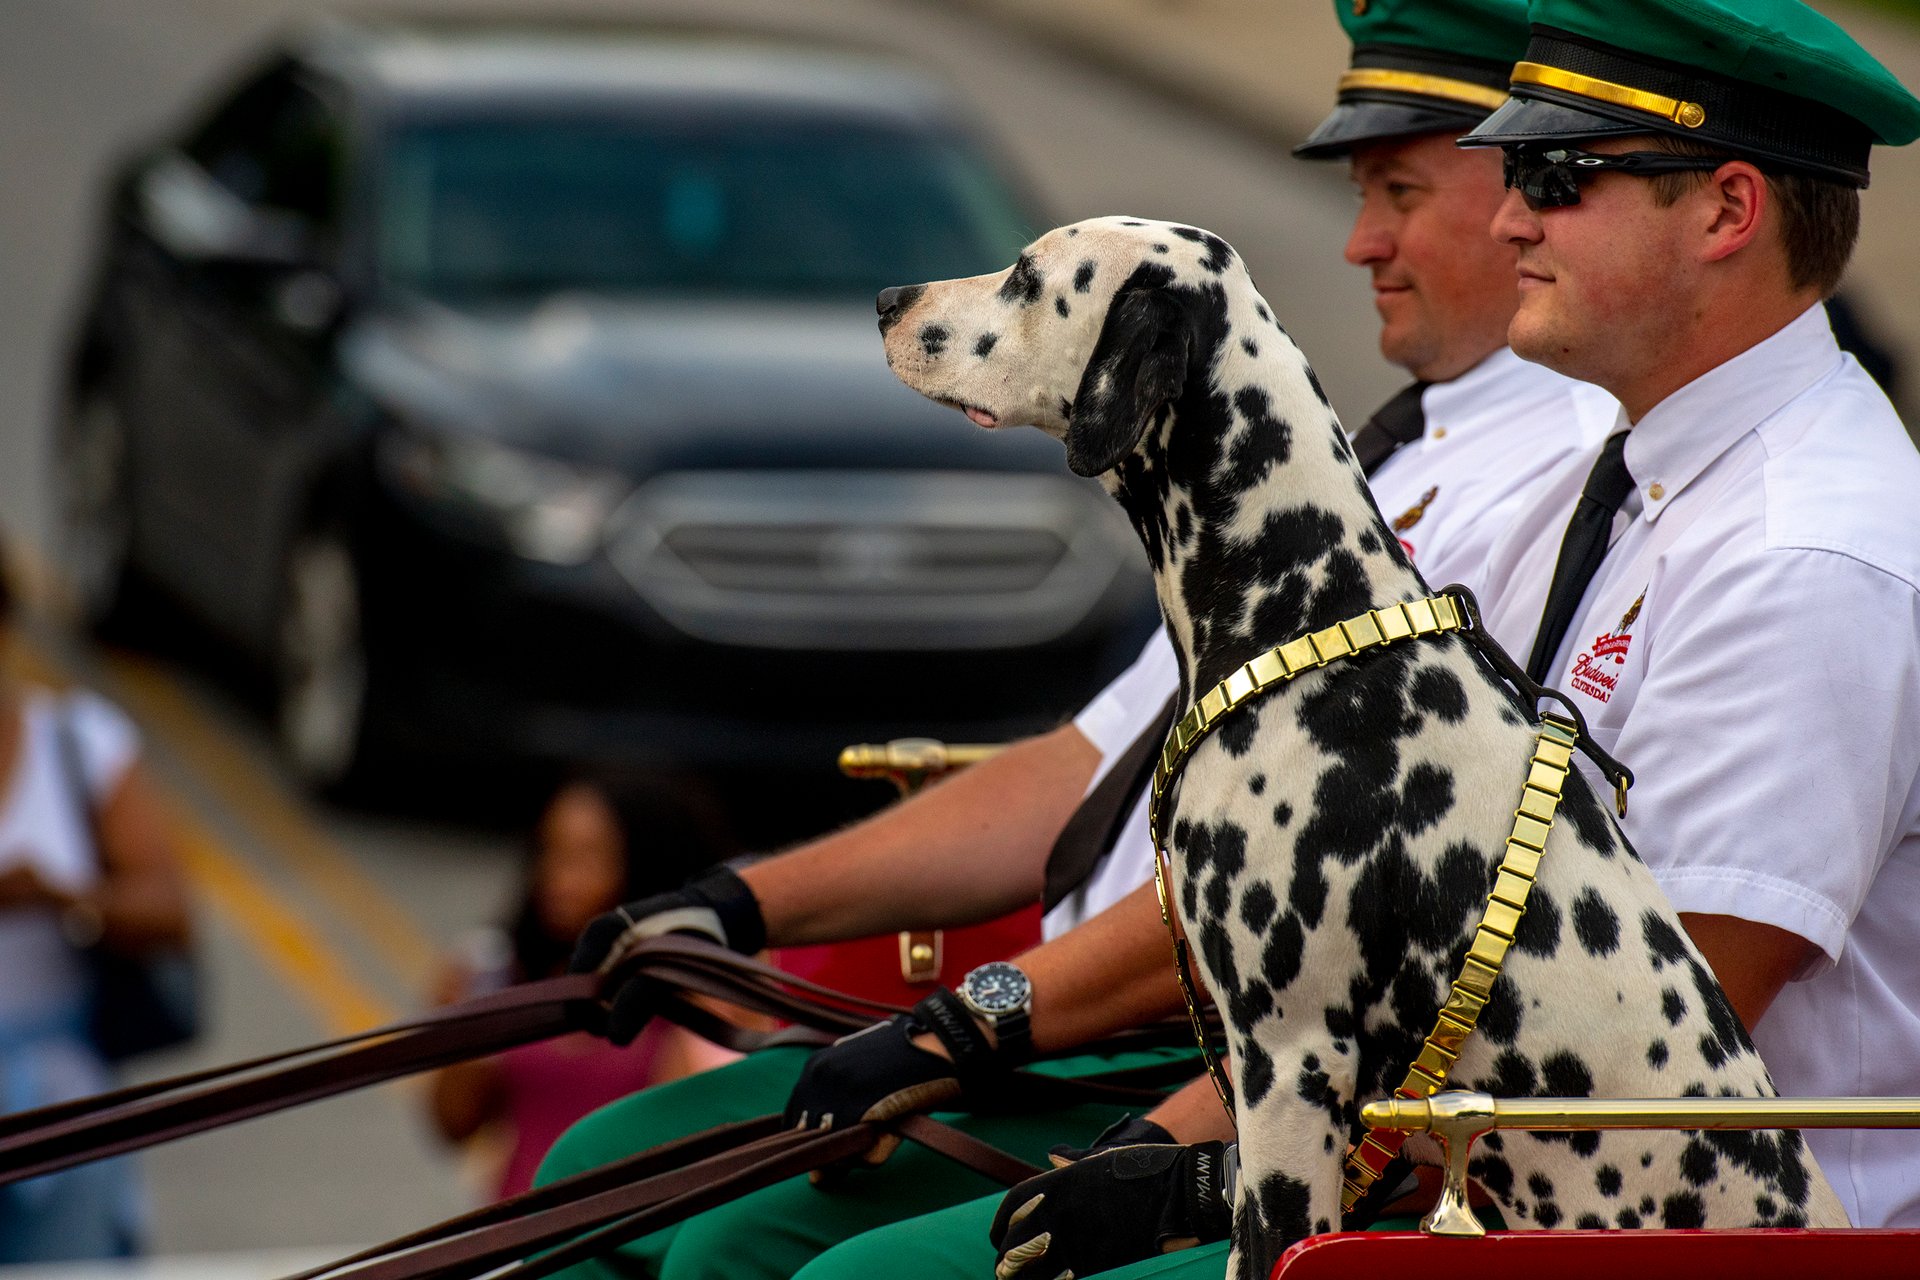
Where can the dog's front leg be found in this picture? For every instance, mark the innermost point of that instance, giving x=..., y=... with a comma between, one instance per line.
x=1293, y=1142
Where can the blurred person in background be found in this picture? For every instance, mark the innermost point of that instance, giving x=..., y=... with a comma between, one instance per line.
x=584, y=857
x=85, y=862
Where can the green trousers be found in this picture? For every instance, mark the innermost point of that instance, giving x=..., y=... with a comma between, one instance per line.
x=774, y=1232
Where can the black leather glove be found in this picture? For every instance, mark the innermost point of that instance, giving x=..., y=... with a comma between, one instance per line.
x=879, y=1073
x=1127, y=1131
x=717, y=905
x=1117, y=1206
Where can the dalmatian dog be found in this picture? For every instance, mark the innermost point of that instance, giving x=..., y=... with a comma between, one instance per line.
x=1334, y=841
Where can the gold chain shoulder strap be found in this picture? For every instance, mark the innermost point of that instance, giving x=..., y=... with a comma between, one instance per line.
x=1532, y=822
x=1429, y=616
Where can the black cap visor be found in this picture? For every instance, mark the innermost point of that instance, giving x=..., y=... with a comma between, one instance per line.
x=1356, y=123
x=1532, y=120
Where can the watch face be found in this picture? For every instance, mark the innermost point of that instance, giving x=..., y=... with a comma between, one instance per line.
x=998, y=988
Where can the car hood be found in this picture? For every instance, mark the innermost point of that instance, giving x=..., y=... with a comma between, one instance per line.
x=658, y=386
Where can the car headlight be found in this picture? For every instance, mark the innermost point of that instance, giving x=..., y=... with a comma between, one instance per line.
x=548, y=510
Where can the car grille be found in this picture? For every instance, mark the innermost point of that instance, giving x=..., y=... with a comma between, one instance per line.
x=872, y=560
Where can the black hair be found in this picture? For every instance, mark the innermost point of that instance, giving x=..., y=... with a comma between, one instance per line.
x=671, y=829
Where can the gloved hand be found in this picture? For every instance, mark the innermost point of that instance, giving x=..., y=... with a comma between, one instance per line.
x=1127, y=1131
x=1117, y=1206
x=717, y=905
x=879, y=1073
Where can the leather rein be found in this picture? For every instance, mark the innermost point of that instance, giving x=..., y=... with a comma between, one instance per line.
x=610, y=1205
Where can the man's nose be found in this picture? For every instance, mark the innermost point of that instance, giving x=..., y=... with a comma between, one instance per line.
x=893, y=303
x=1513, y=222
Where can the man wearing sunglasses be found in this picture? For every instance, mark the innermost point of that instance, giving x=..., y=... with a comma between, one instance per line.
x=1729, y=586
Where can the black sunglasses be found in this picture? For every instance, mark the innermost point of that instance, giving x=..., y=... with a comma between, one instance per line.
x=1550, y=177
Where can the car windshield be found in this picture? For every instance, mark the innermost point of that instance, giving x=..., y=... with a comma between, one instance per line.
x=478, y=211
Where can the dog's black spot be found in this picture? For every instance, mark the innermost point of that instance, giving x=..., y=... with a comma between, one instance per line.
x=1219, y=255
x=1683, y=1211
x=1183, y=525
x=1657, y=1054
x=1494, y=1142
x=1540, y=1185
x=1236, y=735
x=1129, y=222
x=1646, y=1159
x=1369, y=543
x=1439, y=691
x=1608, y=1181
x=1664, y=943
x=983, y=347
x=1627, y=1219
x=1500, y=1020
x=1425, y=797
x=1257, y=784
x=1566, y=1076
x=1647, y=1206
x=1282, y=815
x=1260, y=309
x=1313, y=380
x=1286, y=946
x=1513, y=1077
x=1321, y=1226
x=1083, y=276
x=1060, y=305
x=1590, y=1222
x=933, y=338
x=1547, y=1214
x=1583, y=813
x=1023, y=283
x=1162, y=248
x=1493, y=1173
x=1698, y=1163
x=1765, y=1207
x=1673, y=1006
x=1539, y=930
x=1315, y=1088
x=1266, y=443
x=1283, y=1202
x=1595, y=923
x=1727, y=1036
x=1259, y=906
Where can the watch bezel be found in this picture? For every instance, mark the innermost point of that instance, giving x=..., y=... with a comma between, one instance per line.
x=971, y=992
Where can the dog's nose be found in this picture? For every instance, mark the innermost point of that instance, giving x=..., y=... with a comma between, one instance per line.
x=893, y=303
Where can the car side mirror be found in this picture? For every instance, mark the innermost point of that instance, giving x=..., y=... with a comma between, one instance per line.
x=199, y=220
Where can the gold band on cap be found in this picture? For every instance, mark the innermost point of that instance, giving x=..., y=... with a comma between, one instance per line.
x=1478, y=95
x=1691, y=115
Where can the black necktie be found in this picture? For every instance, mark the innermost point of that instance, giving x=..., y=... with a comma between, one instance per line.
x=1096, y=824
x=1400, y=421
x=1582, y=550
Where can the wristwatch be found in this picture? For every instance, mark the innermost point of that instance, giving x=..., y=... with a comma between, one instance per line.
x=1001, y=996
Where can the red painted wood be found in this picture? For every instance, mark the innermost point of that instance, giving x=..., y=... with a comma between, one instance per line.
x=1608, y=1255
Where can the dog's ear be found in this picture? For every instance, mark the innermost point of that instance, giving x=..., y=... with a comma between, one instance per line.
x=1138, y=364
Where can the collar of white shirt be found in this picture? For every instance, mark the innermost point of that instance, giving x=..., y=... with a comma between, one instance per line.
x=1461, y=404
x=1679, y=437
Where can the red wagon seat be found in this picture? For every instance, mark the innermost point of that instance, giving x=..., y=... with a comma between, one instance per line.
x=873, y=967
x=1608, y=1255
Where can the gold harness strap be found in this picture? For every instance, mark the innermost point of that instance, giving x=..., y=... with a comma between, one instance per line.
x=1533, y=820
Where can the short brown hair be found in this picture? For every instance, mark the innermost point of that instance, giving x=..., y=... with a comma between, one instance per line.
x=1819, y=217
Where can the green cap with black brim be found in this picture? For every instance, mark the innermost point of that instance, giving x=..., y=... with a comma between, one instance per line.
x=1768, y=80
x=1419, y=66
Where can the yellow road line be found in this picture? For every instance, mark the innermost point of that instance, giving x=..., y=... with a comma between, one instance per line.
x=287, y=943
x=260, y=802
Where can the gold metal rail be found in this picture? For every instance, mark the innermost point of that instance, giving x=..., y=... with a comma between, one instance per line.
x=1457, y=1118
x=909, y=764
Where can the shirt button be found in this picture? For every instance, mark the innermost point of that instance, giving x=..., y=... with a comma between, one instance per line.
x=1656, y=491
x=1439, y=433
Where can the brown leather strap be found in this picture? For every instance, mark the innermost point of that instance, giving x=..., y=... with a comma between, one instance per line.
x=65, y=1135
x=599, y=1210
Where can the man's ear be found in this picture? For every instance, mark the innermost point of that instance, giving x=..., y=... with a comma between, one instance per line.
x=1138, y=364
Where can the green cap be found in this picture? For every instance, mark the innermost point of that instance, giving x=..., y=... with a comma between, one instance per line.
x=1768, y=79
x=1419, y=66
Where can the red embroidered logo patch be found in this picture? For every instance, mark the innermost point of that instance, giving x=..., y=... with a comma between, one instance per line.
x=1590, y=674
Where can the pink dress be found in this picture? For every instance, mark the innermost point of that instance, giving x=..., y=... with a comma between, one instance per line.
x=552, y=1083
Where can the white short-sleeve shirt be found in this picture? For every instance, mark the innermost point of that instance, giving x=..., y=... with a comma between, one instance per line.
x=43, y=822
x=1750, y=648
x=1492, y=435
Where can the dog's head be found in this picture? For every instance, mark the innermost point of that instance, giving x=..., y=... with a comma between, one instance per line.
x=1086, y=336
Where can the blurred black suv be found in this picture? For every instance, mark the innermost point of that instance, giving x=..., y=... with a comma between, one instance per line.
x=513, y=394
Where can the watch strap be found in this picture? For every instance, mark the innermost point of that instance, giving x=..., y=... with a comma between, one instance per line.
x=975, y=1060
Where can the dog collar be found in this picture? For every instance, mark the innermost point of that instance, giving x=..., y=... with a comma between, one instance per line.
x=1553, y=748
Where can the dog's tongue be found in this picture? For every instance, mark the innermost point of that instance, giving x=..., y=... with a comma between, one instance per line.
x=981, y=418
